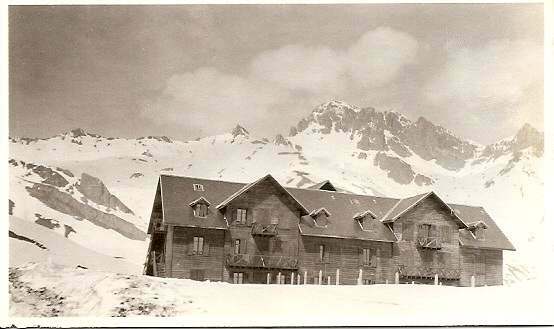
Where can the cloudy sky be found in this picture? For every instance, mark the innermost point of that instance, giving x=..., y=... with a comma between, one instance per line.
x=194, y=70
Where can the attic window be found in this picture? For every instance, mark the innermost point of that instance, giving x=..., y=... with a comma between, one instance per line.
x=198, y=187
x=201, y=210
x=479, y=233
x=365, y=223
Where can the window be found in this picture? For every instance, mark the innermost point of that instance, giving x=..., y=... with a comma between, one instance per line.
x=237, y=277
x=480, y=233
x=198, y=245
x=366, y=257
x=397, y=228
x=201, y=210
x=198, y=187
x=241, y=216
x=367, y=281
x=322, y=253
x=237, y=246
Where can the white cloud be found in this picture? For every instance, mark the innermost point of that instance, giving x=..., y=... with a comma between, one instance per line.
x=494, y=81
x=379, y=56
x=283, y=79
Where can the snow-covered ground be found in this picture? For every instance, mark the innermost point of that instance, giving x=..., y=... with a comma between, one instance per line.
x=48, y=290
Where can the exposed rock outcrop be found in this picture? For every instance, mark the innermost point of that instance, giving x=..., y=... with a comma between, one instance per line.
x=95, y=190
x=65, y=203
x=400, y=171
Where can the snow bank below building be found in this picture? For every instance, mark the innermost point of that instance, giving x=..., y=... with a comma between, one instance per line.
x=46, y=290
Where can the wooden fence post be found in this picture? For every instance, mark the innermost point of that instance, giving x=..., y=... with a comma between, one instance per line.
x=328, y=280
x=396, y=278
x=298, y=278
x=337, y=279
x=473, y=280
x=387, y=281
x=279, y=278
x=305, y=277
x=436, y=279
x=320, y=277
x=360, y=275
x=292, y=278
x=268, y=278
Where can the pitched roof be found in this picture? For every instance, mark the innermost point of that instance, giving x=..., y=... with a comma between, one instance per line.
x=247, y=187
x=316, y=212
x=177, y=193
x=200, y=200
x=325, y=185
x=494, y=237
x=404, y=205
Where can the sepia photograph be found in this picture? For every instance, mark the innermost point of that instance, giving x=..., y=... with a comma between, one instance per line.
x=278, y=164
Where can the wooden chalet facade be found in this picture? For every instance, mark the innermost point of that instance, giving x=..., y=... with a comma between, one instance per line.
x=265, y=233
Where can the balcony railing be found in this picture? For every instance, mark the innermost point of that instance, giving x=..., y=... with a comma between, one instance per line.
x=428, y=272
x=262, y=261
x=265, y=230
x=429, y=243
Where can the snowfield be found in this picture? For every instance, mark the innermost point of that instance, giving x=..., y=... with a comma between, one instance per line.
x=50, y=290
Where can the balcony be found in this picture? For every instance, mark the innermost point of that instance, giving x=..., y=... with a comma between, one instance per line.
x=429, y=243
x=262, y=261
x=428, y=272
x=264, y=230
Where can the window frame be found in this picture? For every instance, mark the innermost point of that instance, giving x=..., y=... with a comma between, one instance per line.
x=237, y=246
x=238, y=277
x=322, y=253
x=198, y=187
x=197, y=210
x=241, y=216
x=198, y=245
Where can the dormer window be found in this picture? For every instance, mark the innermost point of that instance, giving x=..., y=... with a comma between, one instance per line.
x=200, y=207
x=478, y=229
x=320, y=217
x=201, y=211
x=365, y=219
x=198, y=187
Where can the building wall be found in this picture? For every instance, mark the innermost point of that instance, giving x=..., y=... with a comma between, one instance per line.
x=485, y=265
x=344, y=254
x=263, y=202
x=406, y=252
x=211, y=261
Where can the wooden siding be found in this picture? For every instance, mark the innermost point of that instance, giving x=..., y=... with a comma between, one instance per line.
x=263, y=202
x=344, y=254
x=407, y=253
x=183, y=261
x=485, y=265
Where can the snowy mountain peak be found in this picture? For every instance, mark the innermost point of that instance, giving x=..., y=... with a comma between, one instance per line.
x=80, y=132
x=528, y=136
x=335, y=106
x=239, y=131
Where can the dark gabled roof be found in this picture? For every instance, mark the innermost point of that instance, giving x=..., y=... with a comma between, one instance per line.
x=316, y=212
x=177, y=193
x=362, y=214
x=494, y=238
x=200, y=200
x=341, y=223
x=247, y=187
x=404, y=205
x=326, y=185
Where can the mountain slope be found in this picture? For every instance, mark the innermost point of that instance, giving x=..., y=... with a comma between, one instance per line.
x=360, y=150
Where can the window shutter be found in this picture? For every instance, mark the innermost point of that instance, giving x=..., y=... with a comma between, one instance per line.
x=206, y=248
x=243, y=246
x=190, y=245
x=233, y=214
x=373, y=252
